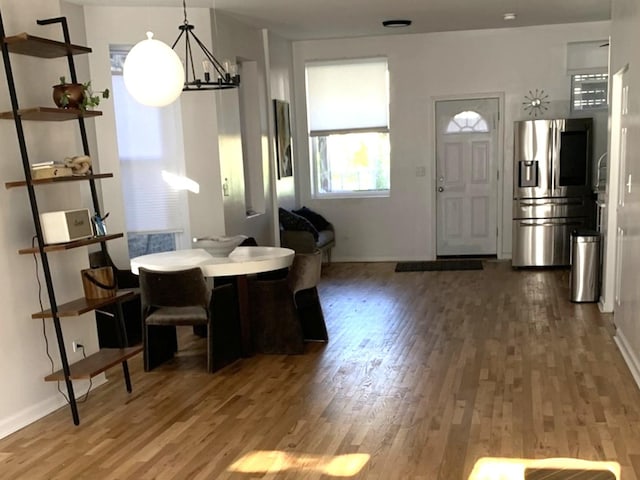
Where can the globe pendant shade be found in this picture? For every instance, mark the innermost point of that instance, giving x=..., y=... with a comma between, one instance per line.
x=153, y=73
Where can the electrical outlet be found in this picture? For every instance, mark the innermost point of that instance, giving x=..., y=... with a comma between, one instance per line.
x=76, y=344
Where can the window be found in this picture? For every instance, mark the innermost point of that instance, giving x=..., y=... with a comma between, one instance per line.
x=348, y=109
x=151, y=165
x=589, y=91
x=467, y=122
x=587, y=65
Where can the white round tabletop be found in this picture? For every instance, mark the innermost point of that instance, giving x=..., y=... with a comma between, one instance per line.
x=241, y=261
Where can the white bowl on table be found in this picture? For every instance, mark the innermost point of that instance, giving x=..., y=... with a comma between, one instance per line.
x=219, y=246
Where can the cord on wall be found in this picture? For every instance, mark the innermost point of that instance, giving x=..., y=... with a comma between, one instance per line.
x=44, y=331
x=86, y=395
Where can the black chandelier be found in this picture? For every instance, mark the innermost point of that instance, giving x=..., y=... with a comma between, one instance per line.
x=217, y=76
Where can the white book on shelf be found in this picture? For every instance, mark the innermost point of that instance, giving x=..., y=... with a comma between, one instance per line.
x=43, y=164
x=52, y=165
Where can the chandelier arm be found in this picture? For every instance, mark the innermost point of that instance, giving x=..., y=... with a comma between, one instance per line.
x=216, y=63
x=189, y=60
x=177, y=39
x=186, y=59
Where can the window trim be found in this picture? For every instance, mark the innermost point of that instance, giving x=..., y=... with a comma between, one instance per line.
x=346, y=131
x=352, y=194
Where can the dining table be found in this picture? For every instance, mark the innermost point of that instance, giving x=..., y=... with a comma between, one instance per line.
x=240, y=263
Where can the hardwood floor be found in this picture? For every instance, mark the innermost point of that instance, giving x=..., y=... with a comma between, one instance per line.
x=424, y=374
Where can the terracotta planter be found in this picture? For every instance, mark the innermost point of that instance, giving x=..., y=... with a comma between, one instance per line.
x=73, y=92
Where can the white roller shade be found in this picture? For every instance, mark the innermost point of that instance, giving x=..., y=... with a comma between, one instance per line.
x=348, y=95
x=149, y=142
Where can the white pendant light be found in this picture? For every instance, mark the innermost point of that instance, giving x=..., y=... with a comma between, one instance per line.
x=153, y=73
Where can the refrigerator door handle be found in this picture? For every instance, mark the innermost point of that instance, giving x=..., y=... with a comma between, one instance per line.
x=551, y=158
x=576, y=201
x=557, y=127
x=551, y=224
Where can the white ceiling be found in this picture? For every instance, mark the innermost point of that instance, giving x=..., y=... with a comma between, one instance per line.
x=314, y=19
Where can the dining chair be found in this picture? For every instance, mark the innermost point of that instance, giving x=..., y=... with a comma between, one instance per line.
x=303, y=279
x=287, y=311
x=171, y=299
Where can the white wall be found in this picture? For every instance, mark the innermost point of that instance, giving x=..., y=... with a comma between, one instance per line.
x=201, y=153
x=625, y=38
x=424, y=68
x=23, y=360
x=281, y=72
x=239, y=42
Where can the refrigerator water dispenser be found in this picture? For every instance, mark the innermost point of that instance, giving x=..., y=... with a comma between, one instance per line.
x=528, y=173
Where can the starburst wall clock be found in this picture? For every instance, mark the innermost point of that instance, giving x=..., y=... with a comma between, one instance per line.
x=536, y=103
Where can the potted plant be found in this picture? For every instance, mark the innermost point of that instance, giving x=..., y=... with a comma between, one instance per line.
x=77, y=95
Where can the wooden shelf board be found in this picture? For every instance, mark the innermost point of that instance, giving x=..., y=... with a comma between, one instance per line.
x=26, y=44
x=51, y=114
x=45, y=181
x=68, y=246
x=95, y=364
x=84, y=305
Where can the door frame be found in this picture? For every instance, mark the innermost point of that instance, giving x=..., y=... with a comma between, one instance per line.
x=502, y=252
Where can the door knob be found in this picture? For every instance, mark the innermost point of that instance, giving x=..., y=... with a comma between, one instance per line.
x=440, y=189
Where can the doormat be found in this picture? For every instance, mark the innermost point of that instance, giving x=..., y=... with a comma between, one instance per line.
x=439, y=265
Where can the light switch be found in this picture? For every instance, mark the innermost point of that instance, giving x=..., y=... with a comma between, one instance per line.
x=421, y=171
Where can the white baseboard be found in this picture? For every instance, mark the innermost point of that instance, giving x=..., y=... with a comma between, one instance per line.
x=41, y=409
x=348, y=259
x=604, y=306
x=628, y=355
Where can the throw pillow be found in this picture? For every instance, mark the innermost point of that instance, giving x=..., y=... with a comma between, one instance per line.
x=315, y=218
x=291, y=221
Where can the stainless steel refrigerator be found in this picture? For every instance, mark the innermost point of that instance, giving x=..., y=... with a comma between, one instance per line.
x=552, y=192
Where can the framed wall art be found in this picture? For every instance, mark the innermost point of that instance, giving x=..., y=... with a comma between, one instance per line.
x=284, y=153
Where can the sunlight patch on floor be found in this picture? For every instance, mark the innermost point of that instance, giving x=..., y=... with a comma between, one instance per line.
x=273, y=461
x=515, y=468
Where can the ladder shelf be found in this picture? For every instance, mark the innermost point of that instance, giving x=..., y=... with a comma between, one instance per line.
x=96, y=363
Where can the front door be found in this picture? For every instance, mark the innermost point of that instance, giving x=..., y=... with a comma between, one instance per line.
x=467, y=177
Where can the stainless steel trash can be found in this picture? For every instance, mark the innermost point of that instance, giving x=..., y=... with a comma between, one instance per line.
x=584, y=279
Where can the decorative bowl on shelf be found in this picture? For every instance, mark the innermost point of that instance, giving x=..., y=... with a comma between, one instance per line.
x=68, y=95
x=219, y=246
x=77, y=95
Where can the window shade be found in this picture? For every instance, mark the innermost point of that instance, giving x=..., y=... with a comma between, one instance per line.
x=149, y=141
x=348, y=95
